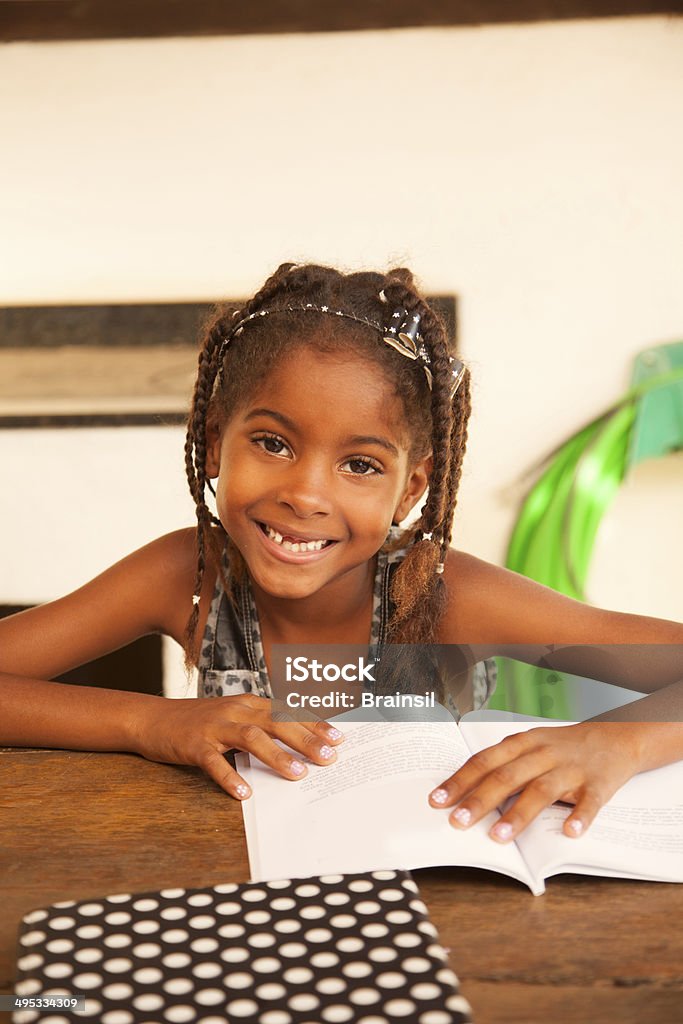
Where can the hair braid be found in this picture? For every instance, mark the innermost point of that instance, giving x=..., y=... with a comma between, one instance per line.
x=275, y=284
x=461, y=414
x=418, y=590
x=195, y=461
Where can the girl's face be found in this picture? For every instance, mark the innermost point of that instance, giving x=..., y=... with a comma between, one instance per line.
x=312, y=471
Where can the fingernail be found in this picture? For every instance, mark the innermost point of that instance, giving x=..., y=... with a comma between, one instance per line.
x=297, y=768
x=575, y=826
x=502, y=831
x=334, y=734
x=326, y=751
x=242, y=790
x=462, y=816
x=439, y=796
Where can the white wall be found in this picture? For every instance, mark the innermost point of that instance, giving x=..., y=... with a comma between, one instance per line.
x=534, y=170
x=79, y=500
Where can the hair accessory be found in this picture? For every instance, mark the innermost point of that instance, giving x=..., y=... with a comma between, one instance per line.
x=457, y=374
x=428, y=536
x=382, y=296
x=402, y=333
x=408, y=331
x=195, y=599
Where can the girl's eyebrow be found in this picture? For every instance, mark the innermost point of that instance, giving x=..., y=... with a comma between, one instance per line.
x=370, y=439
x=357, y=439
x=284, y=420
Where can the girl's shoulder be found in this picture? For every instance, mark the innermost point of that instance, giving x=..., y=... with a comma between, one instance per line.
x=163, y=573
x=481, y=599
x=148, y=591
x=165, y=570
x=488, y=604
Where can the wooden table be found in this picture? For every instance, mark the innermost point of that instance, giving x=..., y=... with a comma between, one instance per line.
x=590, y=951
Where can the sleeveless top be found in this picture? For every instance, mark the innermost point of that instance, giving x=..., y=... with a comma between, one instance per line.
x=232, y=660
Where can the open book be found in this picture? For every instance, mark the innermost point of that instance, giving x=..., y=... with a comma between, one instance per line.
x=370, y=811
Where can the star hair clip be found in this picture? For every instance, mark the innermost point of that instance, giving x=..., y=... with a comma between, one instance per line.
x=403, y=334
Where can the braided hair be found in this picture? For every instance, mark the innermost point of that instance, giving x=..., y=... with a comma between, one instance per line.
x=229, y=374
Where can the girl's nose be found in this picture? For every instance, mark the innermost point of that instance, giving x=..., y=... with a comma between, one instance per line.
x=306, y=490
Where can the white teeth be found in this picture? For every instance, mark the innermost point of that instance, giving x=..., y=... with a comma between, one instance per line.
x=311, y=545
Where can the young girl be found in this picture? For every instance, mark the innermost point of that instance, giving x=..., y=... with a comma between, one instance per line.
x=324, y=410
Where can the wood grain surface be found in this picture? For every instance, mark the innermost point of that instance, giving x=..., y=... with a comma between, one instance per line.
x=88, y=379
x=77, y=825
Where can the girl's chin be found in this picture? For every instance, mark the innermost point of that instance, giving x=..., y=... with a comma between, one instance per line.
x=288, y=590
x=286, y=580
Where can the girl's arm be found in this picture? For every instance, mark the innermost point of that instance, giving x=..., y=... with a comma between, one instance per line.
x=491, y=608
x=150, y=591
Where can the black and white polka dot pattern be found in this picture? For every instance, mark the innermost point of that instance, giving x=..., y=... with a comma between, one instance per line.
x=340, y=949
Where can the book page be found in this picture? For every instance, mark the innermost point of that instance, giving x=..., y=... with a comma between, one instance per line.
x=381, y=753
x=480, y=731
x=637, y=834
x=369, y=810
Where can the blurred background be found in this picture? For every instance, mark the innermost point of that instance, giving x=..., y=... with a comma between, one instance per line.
x=177, y=153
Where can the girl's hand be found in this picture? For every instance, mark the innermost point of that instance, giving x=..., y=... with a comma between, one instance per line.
x=198, y=731
x=583, y=764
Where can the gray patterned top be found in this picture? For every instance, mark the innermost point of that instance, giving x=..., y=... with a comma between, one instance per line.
x=232, y=660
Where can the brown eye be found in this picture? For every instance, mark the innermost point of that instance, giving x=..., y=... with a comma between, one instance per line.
x=272, y=444
x=363, y=467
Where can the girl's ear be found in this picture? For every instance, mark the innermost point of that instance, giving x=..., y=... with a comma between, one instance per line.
x=416, y=485
x=213, y=448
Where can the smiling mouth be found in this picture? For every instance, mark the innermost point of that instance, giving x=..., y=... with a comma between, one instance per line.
x=292, y=543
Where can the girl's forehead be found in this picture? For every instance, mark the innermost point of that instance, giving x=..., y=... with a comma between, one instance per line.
x=338, y=389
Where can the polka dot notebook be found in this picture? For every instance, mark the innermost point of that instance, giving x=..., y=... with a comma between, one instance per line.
x=340, y=948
